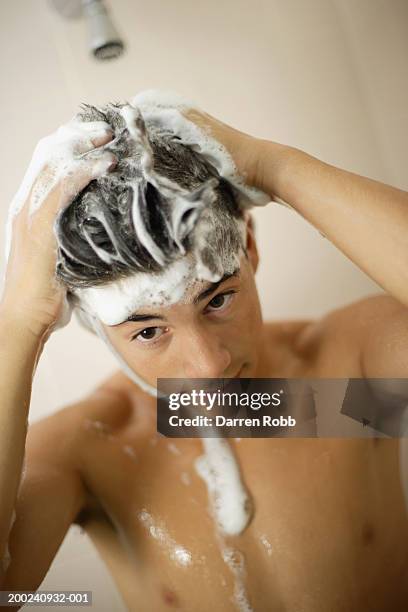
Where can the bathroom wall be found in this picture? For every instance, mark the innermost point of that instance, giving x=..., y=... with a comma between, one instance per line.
x=328, y=77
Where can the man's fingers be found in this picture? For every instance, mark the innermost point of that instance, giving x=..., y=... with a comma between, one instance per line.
x=85, y=135
x=88, y=141
x=83, y=171
x=75, y=127
x=102, y=139
x=75, y=178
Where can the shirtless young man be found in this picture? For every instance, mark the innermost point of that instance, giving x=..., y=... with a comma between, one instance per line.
x=330, y=529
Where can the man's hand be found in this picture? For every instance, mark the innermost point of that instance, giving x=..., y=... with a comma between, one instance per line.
x=367, y=220
x=62, y=165
x=244, y=149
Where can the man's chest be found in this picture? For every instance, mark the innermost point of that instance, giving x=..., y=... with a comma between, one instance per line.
x=320, y=514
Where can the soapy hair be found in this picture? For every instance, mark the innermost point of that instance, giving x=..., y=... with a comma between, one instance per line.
x=145, y=214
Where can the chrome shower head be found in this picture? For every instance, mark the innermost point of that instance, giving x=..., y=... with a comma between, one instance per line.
x=104, y=40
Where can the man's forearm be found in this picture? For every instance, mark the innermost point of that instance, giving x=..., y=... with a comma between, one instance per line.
x=367, y=220
x=20, y=350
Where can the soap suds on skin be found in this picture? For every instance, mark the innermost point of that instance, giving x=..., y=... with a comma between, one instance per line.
x=114, y=302
x=266, y=544
x=177, y=553
x=185, y=478
x=6, y=560
x=173, y=448
x=230, y=503
x=230, y=507
x=130, y=451
x=100, y=428
x=234, y=559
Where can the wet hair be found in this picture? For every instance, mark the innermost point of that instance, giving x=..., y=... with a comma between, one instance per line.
x=142, y=216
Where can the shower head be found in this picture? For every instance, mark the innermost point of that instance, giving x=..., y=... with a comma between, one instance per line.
x=104, y=40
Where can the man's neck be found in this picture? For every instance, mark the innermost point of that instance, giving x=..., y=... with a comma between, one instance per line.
x=266, y=358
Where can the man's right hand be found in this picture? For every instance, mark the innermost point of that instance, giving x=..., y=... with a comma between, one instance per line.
x=62, y=165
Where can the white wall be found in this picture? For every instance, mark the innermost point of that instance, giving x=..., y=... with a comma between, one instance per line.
x=326, y=76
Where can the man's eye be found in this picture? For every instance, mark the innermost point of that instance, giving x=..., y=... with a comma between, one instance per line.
x=220, y=301
x=148, y=334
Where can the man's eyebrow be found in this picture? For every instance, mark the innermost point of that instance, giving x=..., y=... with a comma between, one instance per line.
x=213, y=286
x=201, y=296
x=143, y=317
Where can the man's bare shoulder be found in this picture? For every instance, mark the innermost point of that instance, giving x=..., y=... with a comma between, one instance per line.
x=114, y=391
x=330, y=345
x=55, y=441
x=357, y=319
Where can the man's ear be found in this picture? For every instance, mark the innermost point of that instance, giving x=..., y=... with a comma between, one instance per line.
x=251, y=247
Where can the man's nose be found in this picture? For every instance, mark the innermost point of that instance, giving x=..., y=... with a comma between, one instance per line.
x=204, y=356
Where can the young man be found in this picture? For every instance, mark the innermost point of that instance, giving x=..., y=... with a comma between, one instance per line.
x=329, y=529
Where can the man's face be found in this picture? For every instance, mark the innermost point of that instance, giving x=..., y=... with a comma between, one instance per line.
x=215, y=332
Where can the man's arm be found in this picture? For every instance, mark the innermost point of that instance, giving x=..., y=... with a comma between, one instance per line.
x=384, y=340
x=20, y=350
x=370, y=336
x=384, y=363
x=32, y=299
x=50, y=496
x=367, y=220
